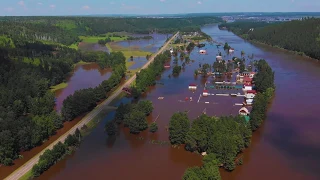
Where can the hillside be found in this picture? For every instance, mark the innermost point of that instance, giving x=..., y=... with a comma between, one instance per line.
x=302, y=37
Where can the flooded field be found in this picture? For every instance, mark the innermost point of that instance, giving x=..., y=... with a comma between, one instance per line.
x=84, y=76
x=149, y=45
x=92, y=47
x=138, y=62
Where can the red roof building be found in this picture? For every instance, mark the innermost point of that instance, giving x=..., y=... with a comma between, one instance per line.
x=251, y=92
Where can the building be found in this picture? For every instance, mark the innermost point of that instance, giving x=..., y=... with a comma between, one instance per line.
x=167, y=65
x=252, y=74
x=247, y=88
x=193, y=86
x=250, y=94
x=231, y=50
x=205, y=93
x=247, y=80
x=244, y=111
x=202, y=51
x=249, y=101
x=219, y=58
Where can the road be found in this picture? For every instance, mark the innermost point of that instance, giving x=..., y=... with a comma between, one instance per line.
x=28, y=165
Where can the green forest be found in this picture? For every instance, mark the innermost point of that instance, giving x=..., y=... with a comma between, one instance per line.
x=302, y=37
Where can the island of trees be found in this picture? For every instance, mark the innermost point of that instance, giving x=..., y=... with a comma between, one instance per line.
x=300, y=36
x=222, y=138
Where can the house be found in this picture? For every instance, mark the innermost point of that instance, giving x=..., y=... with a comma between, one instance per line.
x=249, y=101
x=246, y=88
x=202, y=51
x=193, y=86
x=247, y=80
x=231, y=50
x=205, y=93
x=250, y=94
x=252, y=74
x=219, y=58
x=167, y=65
x=244, y=111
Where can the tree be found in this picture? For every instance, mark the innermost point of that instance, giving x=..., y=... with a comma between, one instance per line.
x=153, y=127
x=136, y=121
x=111, y=128
x=176, y=70
x=145, y=106
x=179, y=125
x=226, y=46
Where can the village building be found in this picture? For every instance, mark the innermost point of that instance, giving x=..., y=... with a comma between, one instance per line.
x=167, y=65
x=244, y=111
x=205, y=93
x=192, y=86
x=202, y=51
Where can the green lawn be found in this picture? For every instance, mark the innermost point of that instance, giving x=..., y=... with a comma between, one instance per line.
x=95, y=39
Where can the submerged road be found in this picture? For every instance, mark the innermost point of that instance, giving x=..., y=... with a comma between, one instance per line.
x=28, y=165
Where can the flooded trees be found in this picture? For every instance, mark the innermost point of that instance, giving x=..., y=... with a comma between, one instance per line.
x=176, y=70
x=111, y=128
x=179, y=125
x=153, y=127
x=209, y=170
x=136, y=121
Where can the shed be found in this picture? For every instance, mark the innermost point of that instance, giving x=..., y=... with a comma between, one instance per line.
x=244, y=111
x=192, y=86
x=205, y=93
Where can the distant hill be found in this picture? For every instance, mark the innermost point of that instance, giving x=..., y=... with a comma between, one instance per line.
x=302, y=36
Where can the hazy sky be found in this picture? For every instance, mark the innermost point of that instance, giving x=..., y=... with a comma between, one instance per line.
x=84, y=7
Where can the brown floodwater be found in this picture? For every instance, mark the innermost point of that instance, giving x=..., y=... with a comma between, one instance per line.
x=285, y=147
x=84, y=76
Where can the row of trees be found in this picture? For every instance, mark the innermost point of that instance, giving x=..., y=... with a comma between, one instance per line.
x=223, y=138
x=301, y=36
x=132, y=116
x=147, y=77
x=51, y=157
x=85, y=100
x=264, y=84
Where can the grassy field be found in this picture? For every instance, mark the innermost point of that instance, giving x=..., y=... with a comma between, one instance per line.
x=95, y=39
x=128, y=52
x=58, y=86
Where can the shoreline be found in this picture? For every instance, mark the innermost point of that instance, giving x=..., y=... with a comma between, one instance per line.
x=276, y=47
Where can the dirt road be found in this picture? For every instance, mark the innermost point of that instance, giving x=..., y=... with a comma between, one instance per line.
x=28, y=165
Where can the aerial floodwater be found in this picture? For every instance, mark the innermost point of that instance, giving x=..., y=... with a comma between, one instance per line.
x=285, y=147
x=84, y=76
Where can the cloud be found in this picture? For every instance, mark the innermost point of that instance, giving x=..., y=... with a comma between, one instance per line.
x=21, y=3
x=85, y=7
x=39, y=3
x=162, y=0
x=53, y=6
x=9, y=9
x=199, y=2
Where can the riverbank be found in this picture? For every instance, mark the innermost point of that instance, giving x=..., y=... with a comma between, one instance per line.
x=26, y=167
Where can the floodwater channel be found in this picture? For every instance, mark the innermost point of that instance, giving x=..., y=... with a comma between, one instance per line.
x=285, y=147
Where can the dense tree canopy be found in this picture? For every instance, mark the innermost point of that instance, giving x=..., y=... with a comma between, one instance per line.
x=302, y=36
x=178, y=127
